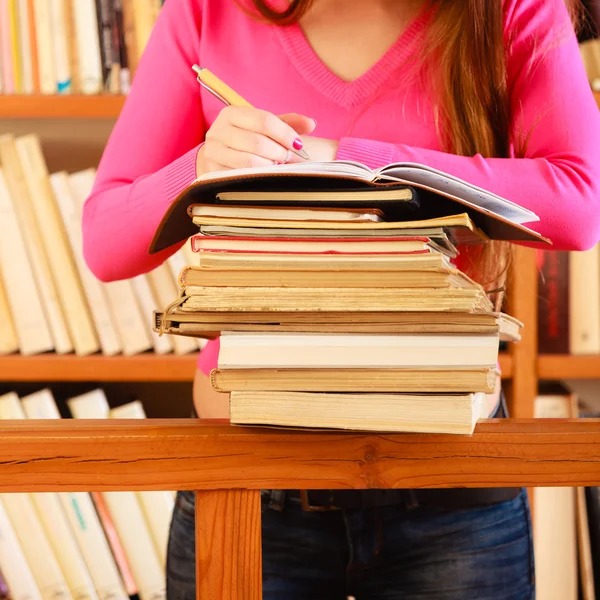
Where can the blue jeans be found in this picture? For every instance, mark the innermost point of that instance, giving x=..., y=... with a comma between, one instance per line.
x=388, y=553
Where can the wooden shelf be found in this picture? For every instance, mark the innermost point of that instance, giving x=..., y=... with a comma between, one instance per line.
x=54, y=367
x=143, y=367
x=566, y=366
x=60, y=107
x=188, y=454
x=72, y=107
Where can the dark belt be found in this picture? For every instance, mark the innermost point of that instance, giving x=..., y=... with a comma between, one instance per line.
x=445, y=499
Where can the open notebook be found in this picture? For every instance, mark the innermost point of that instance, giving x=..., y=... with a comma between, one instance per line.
x=426, y=193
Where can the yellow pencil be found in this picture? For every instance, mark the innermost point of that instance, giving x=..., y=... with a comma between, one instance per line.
x=225, y=94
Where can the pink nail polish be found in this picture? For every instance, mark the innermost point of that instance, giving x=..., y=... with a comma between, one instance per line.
x=298, y=144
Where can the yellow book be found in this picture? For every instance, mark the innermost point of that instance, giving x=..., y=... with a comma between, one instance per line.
x=14, y=45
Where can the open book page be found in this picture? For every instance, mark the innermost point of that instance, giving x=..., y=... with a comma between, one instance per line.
x=341, y=168
x=438, y=181
x=409, y=173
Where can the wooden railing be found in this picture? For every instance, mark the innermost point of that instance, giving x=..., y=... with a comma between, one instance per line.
x=228, y=466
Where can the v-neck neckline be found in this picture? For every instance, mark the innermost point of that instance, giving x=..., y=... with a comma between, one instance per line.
x=354, y=92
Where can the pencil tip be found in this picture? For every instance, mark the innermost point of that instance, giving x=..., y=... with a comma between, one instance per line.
x=303, y=154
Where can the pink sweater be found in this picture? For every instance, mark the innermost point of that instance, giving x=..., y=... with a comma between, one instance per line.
x=381, y=117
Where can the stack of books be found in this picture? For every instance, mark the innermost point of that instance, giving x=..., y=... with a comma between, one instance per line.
x=333, y=311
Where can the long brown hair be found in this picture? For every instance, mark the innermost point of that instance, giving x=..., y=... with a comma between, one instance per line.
x=466, y=50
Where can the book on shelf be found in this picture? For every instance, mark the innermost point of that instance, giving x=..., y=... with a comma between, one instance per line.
x=127, y=513
x=569, y=302
x=563, y=525
x=49, y=298
x=86, y=546
x=73, y=46
x=310, y=334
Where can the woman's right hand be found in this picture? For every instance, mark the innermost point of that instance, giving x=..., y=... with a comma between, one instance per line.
x=245, y=137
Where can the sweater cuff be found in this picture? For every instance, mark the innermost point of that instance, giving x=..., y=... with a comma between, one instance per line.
x=372, y=153
x=181, y=173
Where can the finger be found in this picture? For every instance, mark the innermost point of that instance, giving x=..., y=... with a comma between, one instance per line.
x=262, y=121
x=236, y=159
x=299, y=123
x=255, y=143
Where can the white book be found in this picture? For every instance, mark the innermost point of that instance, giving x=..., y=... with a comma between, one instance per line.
x=8, y=334
x=141, y=287
x=93, y=288
x=25, y=47
x=82, y=517
x=54, y=241
x=42, y=10
x=356, y=350
x=60, y=46
x=584, y=301
x=126, y=513
x=126, y=316
x=23, y=206
x=53, y=517
x=157, y=506
x=36, y=547
x=19, y=578
x=21, y=292
x=88, y=46
x=554, y=522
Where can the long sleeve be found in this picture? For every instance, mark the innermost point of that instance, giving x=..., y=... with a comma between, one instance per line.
x=151, y=153
x=559, y=178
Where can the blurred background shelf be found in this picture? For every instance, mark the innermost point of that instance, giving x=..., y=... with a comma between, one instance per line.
x=60, y=107
x=565, y=366
x=141, y=367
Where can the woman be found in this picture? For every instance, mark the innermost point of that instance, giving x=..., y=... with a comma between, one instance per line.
x=490, y=90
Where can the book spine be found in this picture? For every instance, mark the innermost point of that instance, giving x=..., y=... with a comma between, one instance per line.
x=14, y=46
x=88, y=46
x=33, y=51
x=60, y=44
x=36, y=546
x=45, y=50
x=8, y=80
x=584, y=301
x=157, y=506
x=120, y=44
x=94, y=547
x=115, y=543
x=19, y=578
x=24, y=299
x=81, y=516
x=9, y=342
x=65, y=547
x=105, y=25
x=553, y=303
x=126, y=513
x=98, y=304
x=25, y=47
x=62, y=266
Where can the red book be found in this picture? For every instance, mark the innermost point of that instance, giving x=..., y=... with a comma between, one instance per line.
x=553, y=303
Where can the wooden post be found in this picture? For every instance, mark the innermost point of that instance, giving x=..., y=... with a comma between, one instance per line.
x=523, y=292
x=228, y=545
